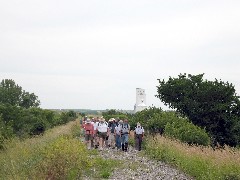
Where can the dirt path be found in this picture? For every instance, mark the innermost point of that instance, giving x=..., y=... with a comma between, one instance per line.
x=135, y=166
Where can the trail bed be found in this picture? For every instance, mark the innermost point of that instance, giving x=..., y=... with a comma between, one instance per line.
x=138, y=167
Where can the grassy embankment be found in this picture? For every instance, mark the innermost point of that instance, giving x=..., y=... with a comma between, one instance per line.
x=202, y=163
x=58, y=154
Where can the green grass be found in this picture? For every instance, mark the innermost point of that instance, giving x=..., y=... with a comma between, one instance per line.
x=199, y=162
x=58, y=154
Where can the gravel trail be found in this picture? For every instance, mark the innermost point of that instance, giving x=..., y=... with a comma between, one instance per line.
x=138, y=167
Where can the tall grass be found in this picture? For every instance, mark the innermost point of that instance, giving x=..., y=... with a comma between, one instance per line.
x=58, y=154
x=199, y=162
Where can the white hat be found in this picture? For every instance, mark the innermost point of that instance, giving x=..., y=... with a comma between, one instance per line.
x=138, y=124
x=88, y=121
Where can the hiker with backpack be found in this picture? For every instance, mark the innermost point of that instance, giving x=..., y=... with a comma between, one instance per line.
x=111, y=138
x=89, y=131
x=138, y=134
x=125, y=130
x=117, y=133
x=103, y=131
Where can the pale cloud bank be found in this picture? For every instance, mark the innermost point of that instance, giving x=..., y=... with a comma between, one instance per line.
x=94, y=54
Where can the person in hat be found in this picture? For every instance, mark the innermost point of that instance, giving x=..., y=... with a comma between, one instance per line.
x=102, y=130
x=125, y=131
x=117, y=133
x=111, y=138
x=89, y=131
x=139, y=133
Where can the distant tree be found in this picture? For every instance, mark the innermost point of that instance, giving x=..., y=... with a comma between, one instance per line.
x=213, y=105
x=13, y=94
x=112, y=113
x=10, y=93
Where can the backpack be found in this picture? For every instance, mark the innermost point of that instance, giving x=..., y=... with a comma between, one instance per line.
x=125, y=129
x=102, y=123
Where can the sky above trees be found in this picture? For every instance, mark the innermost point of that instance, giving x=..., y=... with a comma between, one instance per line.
x=94, y=54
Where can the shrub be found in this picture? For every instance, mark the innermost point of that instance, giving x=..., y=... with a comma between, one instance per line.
x=157, y=123
x=64, y=158
x=6, y=132
x=187, y=132
x=144, y=116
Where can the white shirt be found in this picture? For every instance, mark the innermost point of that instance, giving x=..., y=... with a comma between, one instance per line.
x=139, y=130
x=102, y=127
x=95, y=124
x=118, y=129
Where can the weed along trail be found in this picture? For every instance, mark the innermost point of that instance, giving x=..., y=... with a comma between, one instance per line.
x=134, y=165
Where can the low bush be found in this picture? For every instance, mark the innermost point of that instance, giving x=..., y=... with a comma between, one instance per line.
x=187, y=132
x=63, y=159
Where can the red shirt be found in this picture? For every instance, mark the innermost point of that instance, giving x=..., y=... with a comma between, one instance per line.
x=89, y=129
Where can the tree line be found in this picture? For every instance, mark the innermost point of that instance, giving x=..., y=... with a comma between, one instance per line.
x=21, y=116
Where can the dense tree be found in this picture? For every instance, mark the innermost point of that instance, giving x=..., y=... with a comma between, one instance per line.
x=10, y=93
x=213, y=105
x=13, y=94
x=112, y=113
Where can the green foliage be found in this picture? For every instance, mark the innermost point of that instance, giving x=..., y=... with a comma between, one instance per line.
x=11, y=93
x=54, y=156
x=187, y=132
x=104, y=167
x=170, y=123
x=114, y=114
x=159, y=120
x=209, y=104
x=144, y=116
x=76, y=130
x=66, y=157
x=24, y=122
x=198, y=162
x=6, y=132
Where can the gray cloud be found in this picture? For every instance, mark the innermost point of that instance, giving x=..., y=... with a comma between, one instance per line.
x=93, y=54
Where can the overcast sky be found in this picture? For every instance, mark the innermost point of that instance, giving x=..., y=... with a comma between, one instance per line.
x=94, y=54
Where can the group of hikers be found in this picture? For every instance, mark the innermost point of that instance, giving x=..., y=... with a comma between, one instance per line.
x=113, y=134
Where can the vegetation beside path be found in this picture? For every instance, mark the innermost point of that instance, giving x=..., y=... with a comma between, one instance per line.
x=58, y=154
x=198, y=161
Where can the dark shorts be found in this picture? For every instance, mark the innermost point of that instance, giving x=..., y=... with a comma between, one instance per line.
x=88, y=137
x=102, y=135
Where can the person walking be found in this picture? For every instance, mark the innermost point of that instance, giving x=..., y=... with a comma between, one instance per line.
x=95, y=137
x=103, y=131
x=139, y=133
x=125, y=130
x=117, y=133
x=111, y=138
x=89, y=130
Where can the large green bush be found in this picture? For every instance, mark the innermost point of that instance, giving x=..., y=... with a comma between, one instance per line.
x=187, y=132
x=158, y=121
x=144, y=116
x=172, y=124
